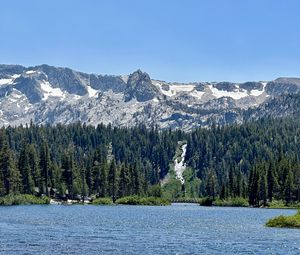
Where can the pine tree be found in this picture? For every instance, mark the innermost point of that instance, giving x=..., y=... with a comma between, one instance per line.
x=238, y=185
x=231, y=183
x=124, y=181
x=56, y=179
x=100, y=178
x=24, y=168
x=68, y=167
x=83, y=188
x=96, y=178
x=45, y=167
x=34, y=166
x=154, y=176
x=263, y=192
x=211, y=185
x=288, y=187
x=253, y=187
x=272, y=181
x=223, y=192
x=103, y=179
x=10, y=174
x=2, y=187
x=136, y=179
x=112, y=180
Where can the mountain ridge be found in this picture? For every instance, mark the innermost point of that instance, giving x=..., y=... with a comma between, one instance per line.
x=48, y=94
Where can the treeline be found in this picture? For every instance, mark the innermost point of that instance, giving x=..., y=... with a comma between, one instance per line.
x=77, y=160
x=257, y=160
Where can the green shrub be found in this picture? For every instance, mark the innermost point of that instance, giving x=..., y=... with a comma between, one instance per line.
x=277, y=204
x=155, y=191
x=172, y=189
x=136, y=200
x=188, y=200
x=280, y=204
x=23, y=200
x=235, y=202
x=102, y=201
x=285, y=221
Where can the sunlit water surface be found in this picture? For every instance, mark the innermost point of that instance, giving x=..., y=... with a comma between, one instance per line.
x=176, y=229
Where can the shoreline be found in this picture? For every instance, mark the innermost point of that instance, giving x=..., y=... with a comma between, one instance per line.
x=23, y=199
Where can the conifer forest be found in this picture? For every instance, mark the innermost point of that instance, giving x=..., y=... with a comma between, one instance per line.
x=258, y=161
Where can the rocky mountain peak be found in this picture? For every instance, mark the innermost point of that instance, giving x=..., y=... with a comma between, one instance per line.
x=139, y=86
x=138, y=78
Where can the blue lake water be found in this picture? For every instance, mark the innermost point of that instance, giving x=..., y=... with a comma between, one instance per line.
x=176, y=229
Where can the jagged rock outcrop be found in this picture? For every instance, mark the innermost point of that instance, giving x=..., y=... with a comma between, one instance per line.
x=139, y=86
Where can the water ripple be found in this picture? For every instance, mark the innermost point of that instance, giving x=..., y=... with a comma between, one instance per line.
x=177, y=229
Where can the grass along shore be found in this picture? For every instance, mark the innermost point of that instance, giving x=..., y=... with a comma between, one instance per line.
x=24, y=199
x=280, y=204
x=136, y=200
x=281, y=221
x=243, y=202
x=232, y=202
x=132, y=200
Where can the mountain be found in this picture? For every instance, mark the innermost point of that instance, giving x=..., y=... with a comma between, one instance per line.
x=47, y=94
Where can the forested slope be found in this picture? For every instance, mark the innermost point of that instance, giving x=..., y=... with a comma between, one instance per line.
x=256, y=160
x=83, y=159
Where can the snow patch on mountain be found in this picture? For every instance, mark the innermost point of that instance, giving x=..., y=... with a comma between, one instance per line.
x=236, y=94
x=173, y=89
x=125, y=78
x=92, y=92
x=30, y=72
x=15, y=76
x=5, y=81
x=256, y=92
x=164, y=91
x=181, y=88
x=49, y=91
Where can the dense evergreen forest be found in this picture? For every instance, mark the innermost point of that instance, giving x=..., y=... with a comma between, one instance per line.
x=257, y=160
x=82, y=160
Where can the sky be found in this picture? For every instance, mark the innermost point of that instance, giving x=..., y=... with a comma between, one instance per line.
x=172, y=40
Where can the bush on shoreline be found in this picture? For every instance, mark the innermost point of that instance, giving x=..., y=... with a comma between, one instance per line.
x=136, y=200
x=102, y=201
x=280, y=204
x=23, y=200
x=230, y=202
x=281, y=221
x=187, y=200
x=234, y=202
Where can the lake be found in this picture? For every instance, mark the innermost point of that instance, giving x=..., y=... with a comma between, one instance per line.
x=176, y=229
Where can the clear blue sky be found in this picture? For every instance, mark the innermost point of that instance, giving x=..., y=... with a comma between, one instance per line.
x=174, y=40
